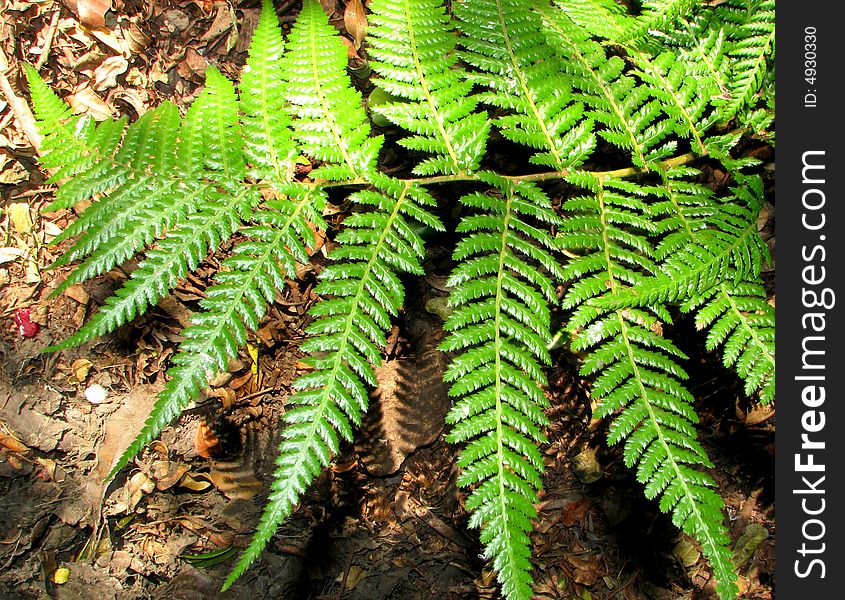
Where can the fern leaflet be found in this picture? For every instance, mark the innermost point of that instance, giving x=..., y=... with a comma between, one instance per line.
x=500, y=328
x=414, y=50
x=637, y=378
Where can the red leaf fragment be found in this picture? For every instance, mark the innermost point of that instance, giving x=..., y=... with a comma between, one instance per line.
x=26, y=326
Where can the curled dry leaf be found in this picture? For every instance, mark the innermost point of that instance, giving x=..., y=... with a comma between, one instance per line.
x=105, y=75
x=12, y=443
x=80, y=369
x=92, y=13
x=88, y=102
x=355, y=21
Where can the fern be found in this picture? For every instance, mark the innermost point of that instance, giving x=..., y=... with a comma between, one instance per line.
x=501, y=329
x=637, y=377
x=414, y=50
x=505, y=42
x=572, y=83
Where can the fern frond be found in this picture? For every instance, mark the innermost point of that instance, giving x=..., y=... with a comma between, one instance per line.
x=217, y=155
x=633, y=117
x=752, y=50
x=330, y=123
x=505, y=42
x=685, y=97
x=346, y=341
x=413, y=45
x=657, y=14
x=637, y=379
x=268, y=141
x=500, y=327
x=708, y=238
x=604, y=18
x=743, y=322
x=235, y=303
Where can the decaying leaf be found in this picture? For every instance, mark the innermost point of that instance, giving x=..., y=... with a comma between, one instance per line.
x=105, y=75
x=355, y=21
x=92, y=13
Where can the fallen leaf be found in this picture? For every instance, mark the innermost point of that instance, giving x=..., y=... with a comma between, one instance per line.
x=235, y=481
x=92, y=13
x=9, y=254
x=196, y=482
x=355, y=21
x=12, y=443
x=105, y=76
x=81, y=368
x=21, y=217
x=88, y=102
x=686, y=552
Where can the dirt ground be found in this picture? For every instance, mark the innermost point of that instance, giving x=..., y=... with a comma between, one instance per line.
x=386, y=520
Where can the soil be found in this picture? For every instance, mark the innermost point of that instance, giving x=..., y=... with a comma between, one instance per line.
x=386, y=520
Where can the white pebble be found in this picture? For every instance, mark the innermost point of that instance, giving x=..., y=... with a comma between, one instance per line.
x=96, y=394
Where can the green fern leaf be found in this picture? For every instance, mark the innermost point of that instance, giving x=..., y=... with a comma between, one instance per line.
x=184, y=246
x=413, y=45
x=505, y=42
x=752, y=50
x=637, y=378
x=348, y=335
x=500, y=327
x=657, y=14
x=632, y=115
x=268, y=145
x=330, y=123
x=247, y=281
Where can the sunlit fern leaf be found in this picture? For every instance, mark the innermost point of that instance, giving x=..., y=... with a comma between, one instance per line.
x=632, y=116
x=413, y=46
x=505, y=42
x=684, y=97
x=707, y=241
x=637, y=379
x=217, y=217
x=742, y=322
x=751, y=49
x=657, y=14
x=604, y=18
x=362, y=292
x=268, y=145
x=701, y=42
x=500, y=329
x=234, y=304
x=329, y=123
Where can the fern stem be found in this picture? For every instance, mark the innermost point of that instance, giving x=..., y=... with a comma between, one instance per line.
x=533, y=177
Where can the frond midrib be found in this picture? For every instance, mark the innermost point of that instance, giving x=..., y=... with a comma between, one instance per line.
x=438, y=117
x=526, y=90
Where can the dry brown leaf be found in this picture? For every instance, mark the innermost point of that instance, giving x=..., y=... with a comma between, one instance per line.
x=92, y=13
x=167, y=473
x=20, y=216
x=105, y=76
x=235, y=481
x=80, y=369
x=88, y=102
x=355, y=21
x=12, y=443
x=196, y=482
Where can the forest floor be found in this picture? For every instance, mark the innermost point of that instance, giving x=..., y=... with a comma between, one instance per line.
x=386, y=520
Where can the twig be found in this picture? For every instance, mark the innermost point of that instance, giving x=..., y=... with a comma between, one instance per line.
x=19, y=108
x=48, y=43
